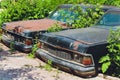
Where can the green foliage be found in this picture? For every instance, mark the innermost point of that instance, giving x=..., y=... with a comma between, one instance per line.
x=48, y=66
x=106, y=63
x=114, y=47
x=34, y=48
x=12, y=49
x=104, y=58
x=32, y=53
x=0, y=39
x=15, y=10
x=113, y=57
x=0, y=34
x=105, y=66
x=87, y=18
x=105, y=2
x=55, y=28
x=23, y=10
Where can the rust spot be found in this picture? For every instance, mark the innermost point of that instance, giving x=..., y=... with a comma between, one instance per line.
x=18, y=29
x=33, y=25
x=76, y=44
x=84, y=42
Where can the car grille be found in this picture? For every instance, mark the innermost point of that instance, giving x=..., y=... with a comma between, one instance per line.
x=59, y=53
x=14, y=37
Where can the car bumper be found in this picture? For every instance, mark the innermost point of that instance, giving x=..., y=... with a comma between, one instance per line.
x=76, y=68
x=17, y=45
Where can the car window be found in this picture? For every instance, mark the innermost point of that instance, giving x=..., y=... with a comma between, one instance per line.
x=110, y=19
x=64, y=15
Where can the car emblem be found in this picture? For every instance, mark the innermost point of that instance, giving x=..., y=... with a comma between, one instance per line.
x=75, y=45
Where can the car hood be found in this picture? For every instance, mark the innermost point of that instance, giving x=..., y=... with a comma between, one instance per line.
x=89, y=35
x=32, y=25
x=76, y=39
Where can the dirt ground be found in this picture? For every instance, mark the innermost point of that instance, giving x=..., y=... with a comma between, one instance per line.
x=19, y=66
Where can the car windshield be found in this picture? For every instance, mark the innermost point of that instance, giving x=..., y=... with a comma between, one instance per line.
x=64, y=15
x=110, y=20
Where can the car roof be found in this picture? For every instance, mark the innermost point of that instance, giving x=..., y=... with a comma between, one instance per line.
x=87, y=5
x=114, y=10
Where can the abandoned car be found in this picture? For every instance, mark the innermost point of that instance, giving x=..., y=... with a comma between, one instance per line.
x=79, y=50
x=22, y=34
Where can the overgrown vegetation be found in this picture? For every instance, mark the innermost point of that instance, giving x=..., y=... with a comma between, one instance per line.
x=48, y=66
x=55, y=28
x=0, y=34
x=112, y=59
x=32, y=53
x=34, y=48
x=0, y=39
x=14, y=10
x=88, y=17
x=12, y=49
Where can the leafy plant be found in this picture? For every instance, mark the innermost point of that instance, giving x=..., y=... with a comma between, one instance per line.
x=12, y=49
x=32, y=53
x=55, y=28
x=15, y=10
x=0, y=34
x=0, y=39
x=34, y=48
x=105, y=2
x=113, y=57
x=48, y=66
x=88, y=17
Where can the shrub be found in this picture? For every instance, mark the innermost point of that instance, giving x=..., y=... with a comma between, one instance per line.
x=15, y=10
x=113, y=57
x=104, y=2
x=87, y=18
x=48, y=66
x=55, y=28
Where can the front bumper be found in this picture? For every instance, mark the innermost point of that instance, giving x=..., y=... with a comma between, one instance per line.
x=75, y=68
x=17, y=45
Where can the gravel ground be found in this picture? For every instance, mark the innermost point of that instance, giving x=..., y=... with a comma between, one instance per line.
x=19, y=67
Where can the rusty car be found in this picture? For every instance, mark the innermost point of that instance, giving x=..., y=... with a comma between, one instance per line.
x=22, y=34
x=79, y=50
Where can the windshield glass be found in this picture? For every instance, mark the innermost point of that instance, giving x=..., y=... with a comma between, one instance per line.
x=110, y=20
x=64, y=15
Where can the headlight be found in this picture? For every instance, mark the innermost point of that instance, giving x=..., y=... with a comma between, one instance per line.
x=85, y=60
x=78, y=58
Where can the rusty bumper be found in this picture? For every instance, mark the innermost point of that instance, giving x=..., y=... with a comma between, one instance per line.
x=17, y=45
x=68, y=65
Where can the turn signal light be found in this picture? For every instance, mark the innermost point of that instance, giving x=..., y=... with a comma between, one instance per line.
x=87, y=60
x=28, y=42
